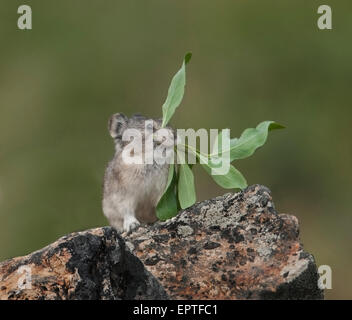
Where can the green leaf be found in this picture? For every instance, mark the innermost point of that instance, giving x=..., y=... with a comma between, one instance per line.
x=170, y=175
x=217, y=146
x=185, y=187
x=251, y=139
x=233, y=179
x=167, y=205
x=176, y=91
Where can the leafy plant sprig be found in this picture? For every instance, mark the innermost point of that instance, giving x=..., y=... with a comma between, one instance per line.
x=180, y=190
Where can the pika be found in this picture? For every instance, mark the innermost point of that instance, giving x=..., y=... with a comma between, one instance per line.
x=131, y=191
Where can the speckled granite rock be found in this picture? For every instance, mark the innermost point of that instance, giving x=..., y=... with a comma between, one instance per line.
x=232, y=247
x=94, y=264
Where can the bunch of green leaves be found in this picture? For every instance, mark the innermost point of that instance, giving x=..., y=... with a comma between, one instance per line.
x=180, y=190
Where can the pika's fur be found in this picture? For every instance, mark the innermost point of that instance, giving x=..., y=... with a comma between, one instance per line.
x=132, y=191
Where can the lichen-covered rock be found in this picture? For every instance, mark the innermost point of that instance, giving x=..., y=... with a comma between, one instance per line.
x=94, y=264
x=232, y=247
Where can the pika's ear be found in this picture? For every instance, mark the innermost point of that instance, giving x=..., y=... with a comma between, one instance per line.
x=117, y=124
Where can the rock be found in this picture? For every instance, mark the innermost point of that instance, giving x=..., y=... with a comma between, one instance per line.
x=232, y=247
x=94, y=264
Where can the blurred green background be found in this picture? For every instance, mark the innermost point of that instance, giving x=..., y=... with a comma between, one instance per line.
x=252, y=61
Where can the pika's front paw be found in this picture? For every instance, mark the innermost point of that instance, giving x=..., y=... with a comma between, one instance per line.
x=130, y=223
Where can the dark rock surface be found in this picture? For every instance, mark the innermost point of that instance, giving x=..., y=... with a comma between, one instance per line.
x=232, y=247
x=94, y=264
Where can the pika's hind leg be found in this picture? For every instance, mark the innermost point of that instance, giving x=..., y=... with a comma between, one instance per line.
x=113, y=214
x=120, y=213
x=117, y=223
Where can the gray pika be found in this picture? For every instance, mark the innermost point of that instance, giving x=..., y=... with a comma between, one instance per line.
x=131, y=191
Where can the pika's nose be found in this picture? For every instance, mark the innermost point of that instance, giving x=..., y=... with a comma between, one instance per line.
x=164, y=135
